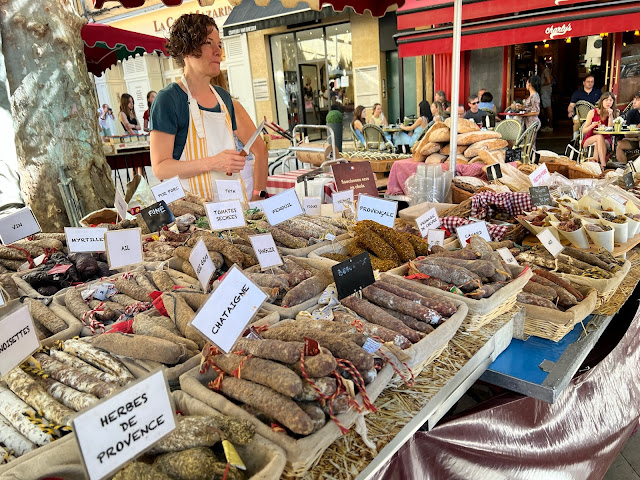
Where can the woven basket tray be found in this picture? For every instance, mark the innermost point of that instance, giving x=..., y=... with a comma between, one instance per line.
x=484, y=310
x=554, y=325
x=458, y=195
x=606, y=288
x=561, y=168
x=576, y=172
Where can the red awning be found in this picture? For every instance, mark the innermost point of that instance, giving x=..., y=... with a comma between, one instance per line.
x=104, y=46
x=376, y=7
x=532, y=27
x=423, y=13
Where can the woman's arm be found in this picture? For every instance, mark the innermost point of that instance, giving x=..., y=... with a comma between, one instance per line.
x=384, y=120
x=589, y=124
x=125, y=122
x=165, y=166
x=416, y=124
x=146, y=124
x=246, y=128
x=358, y=125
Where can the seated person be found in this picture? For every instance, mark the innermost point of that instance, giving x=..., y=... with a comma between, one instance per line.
x=359, y=120
x=461, y=112
x=441, y=97
x=632, y=117
x=586, y=94
x=438, y=112
x=377, y=117
x=410, y=134
x=601, y=115
x=486, y=101
x=474, y=112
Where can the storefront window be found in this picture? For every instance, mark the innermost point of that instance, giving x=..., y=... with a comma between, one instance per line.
x=340, y=67
x=283, y=54
x=629, y=67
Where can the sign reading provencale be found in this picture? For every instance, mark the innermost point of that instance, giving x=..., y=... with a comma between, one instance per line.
x=18, y=225
x=377, y=209
x=121, y=427
x=229, y=309
x=85, y=239
x=18, y=339
x=282, y=207
x=225, y=215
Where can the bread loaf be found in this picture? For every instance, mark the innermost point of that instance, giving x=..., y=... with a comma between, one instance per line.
x=491, y=157
x=491, y=144
x=417, y=147
x=436, y=158
x=470, y=138
x=429, y=148
x=464, y=125
x=446, y=150
x=440, y=135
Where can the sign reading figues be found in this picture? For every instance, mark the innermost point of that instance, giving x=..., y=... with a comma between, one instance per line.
x=118, y=429
x=312, y=205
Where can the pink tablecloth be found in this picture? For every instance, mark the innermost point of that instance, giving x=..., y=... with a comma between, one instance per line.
x=403, y=169
x=279, y=183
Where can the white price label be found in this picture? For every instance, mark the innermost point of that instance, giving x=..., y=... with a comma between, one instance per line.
x=85, y=239
x=435, y=237
x=202, y=264
x=428, y=221
x=540, y=175
x=229, y=190
x=341, y=200
x=550, y=242
x=225, y=215
x=229, y=309
x=120, y=204
x=312, y=205
x=124, y=247
x=266, y=250
x=257, y=204
x=465, y=232
x=618, y=199
x=2, y=300
x=121, y=427
x=282, y=207
x=377, y=209
x=371, y=346
x=18, y=225
x=507, y=256
x=18, y=339
x=170, y=190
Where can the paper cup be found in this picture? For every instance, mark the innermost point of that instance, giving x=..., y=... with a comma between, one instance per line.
x=634, y=227
x=565, y=200
x=603, y=239
x=621, y=230
x=631, y=207
x=608, y=203
x=587, y=202
x=594, y=221
x=578, y=237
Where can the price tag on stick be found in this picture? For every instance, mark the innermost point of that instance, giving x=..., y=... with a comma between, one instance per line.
x=340, y=200
x=540, y=196
x=353, y=274
x=120, y=204
x=435, y=237
x=229, y=190
x=225, y=215
x=312, y=205
x=540, y=175
x=507, y=256
x=377, y=209
x=124, y=247
x=465, y=232
x=85, y=239
x=157, y=216
x=428, y=221
x=170, y=190
x=550, y=242
x=266, y=250
x=121, y=427
x=494, y=172
x=18, y=339
x=18, y=225
x=202, y=264
x=282, y=207
x=229, y=309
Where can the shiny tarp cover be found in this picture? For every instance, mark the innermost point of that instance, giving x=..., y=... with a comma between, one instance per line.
x=521, y=438
x=376, y=7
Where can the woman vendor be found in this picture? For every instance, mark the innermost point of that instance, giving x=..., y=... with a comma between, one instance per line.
x=192, y=122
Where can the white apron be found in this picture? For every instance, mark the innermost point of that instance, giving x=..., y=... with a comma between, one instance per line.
x=210, y=133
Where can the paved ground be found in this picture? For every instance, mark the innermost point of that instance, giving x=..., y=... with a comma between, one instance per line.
x=627, y=465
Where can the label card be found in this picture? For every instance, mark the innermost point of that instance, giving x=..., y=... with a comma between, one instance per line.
x=225, y=215
x=340, y=199
x=2, y=300
x=18, y=225
x=157, y=216
x=507, y=256
x=257, y=204
x=353, y=274
x=18, y=339
x=550, y=242
x=377, y=209
x=540, y=175
x=85, y=239
x=371, y=346
x=312, y=205
x=465, y=232
x=282, y=207
x=229, y=190
x=229, y=309
x=120, y=204
x=540, y=196
x=629, y=182
x=356, y=176
x=429, y=220
x=494, y=172
x=169, y=190
x=120, y=428
x=617, y=198
x=202, y=264
x=266, y=250
x=124, y=247
x=513, y=155
x=435, y=237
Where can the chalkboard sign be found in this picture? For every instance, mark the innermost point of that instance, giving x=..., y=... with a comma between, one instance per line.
x=157, y=216
x=494, y=172
x=629, y=182
x=352, y=275
x=513, y=155
x=540, y=196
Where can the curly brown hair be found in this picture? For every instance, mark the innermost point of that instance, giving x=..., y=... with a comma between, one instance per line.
x=188, y=34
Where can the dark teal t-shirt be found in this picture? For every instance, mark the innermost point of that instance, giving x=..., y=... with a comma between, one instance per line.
x=170, y=114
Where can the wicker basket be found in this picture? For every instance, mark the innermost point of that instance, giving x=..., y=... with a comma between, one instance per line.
x=606, y=288
x=463, y=209
x=516, y=234
x=458, y=195
x=561, y=168
x=576, y=172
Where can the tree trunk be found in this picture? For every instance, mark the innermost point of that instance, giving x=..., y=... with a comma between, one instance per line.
x=54, y=108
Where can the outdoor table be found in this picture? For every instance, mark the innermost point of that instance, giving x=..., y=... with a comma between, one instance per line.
x=624, y=132
x=129, y=159
x=391, y=129
x=514, y=114
x=284, y=181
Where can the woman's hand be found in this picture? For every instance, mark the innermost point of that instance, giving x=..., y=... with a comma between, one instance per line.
x=228, y=161
x=610, y=113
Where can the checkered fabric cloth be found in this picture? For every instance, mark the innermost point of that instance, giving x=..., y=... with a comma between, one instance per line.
x=279, y=183
x=497, y=232
x=484, y=204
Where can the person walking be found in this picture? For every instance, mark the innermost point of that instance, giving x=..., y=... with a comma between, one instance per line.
x=532, y=106
x=545, y=93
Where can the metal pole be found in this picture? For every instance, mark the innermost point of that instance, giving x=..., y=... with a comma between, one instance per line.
x=455, y=84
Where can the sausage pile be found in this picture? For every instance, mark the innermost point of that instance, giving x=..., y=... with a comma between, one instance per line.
x=573, y=261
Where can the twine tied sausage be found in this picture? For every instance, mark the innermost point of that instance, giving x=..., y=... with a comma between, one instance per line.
x=89, y=319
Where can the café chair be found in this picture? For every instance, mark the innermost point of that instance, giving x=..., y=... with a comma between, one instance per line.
x=357, y=144
x=510, y=130
x=375, y=138
x=525, y=141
